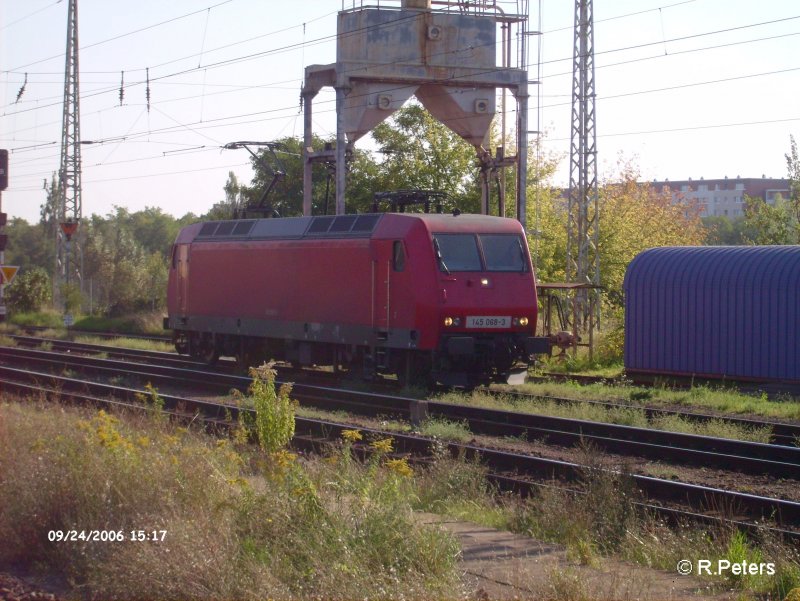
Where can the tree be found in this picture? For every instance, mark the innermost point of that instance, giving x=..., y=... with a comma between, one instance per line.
x=155, y=279
x=719, y=230
x=29, y=291
x=723, y=231
x=29, y=245
x=546, y=218
x=234, y=202
x=770, y=224
x=793, y=170
x=48, y=212
x=287, y=195
x=634, y=217
x=420, y=152
x=153, y=230
x=115, y=262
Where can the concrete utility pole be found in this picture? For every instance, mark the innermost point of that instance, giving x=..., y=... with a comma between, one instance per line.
x=583, y=262
x=68, y=212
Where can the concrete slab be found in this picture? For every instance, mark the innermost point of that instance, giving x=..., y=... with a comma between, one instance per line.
x=505, y=566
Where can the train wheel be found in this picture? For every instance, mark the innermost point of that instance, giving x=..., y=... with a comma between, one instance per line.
x=181, y=343
x=207, y=350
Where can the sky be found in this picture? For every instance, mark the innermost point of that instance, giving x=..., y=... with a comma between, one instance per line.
x=685, y=88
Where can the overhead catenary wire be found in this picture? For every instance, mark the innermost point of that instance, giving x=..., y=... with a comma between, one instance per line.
x=632, y=93
x=29, y=15
x=123, y=35
x=445, y=81
x=272, y=51
x=233, y=117
x=232, y=61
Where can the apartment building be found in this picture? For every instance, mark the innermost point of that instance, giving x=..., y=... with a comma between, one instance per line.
x=725, y=197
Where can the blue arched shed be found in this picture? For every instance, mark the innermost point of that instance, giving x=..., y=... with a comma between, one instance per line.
x=714, y=311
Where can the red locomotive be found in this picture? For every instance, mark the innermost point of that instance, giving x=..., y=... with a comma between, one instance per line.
x=451, y=298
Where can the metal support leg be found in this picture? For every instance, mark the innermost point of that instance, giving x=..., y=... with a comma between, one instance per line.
x=522, y=154
x=341, y=165
x=307, y=141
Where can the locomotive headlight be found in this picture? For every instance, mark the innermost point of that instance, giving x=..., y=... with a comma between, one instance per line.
x=448, y=321
x=523, y=321
x=484, y=282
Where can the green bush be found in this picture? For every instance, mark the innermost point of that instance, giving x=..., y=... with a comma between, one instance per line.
x=50, y=319
x=29, y=291
x=274, y=423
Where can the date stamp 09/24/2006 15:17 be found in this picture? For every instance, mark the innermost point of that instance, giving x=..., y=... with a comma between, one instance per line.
x=106, y=535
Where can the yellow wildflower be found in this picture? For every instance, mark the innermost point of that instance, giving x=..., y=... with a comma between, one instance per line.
x=384, y=445
x=283, y=458
x=351, y=435
x=400, y=467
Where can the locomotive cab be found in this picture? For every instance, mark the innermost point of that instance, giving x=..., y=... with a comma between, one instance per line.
x=488, y=312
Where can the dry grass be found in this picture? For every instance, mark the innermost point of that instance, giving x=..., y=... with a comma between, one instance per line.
x=241, y=524
x=602, y=518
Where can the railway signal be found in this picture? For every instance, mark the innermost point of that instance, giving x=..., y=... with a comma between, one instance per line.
x=3, y=169
x=3, y=236
x=9, y=273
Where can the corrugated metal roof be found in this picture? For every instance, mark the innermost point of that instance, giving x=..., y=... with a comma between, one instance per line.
x=724, y=311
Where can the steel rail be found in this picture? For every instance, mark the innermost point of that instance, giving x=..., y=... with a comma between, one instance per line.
x=727, y=454
x=72, y=330
x=783, y=434
x=513, y=469
x=111, y=351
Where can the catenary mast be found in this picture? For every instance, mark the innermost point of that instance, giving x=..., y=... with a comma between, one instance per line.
x=68, y=212
x=583, y=261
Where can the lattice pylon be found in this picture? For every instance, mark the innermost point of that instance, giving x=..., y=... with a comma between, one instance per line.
x=583, y=262
x=67, y=269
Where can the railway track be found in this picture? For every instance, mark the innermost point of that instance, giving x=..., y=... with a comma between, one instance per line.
x=775, y=460
x=382, y=404
x=73, y=331
x=782, y=433
x=682, y=382
x=510, y=471
x=672, y=381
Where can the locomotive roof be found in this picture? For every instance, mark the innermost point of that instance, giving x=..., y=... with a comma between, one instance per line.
x=367, y=225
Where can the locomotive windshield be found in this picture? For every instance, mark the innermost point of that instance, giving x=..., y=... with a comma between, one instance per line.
x=461, y=252
x=503, y=252
x=457, y=252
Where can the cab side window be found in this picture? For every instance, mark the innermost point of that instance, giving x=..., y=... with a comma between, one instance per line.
x=398, y=256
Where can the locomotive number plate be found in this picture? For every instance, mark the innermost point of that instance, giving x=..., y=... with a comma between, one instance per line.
x=488, y=322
